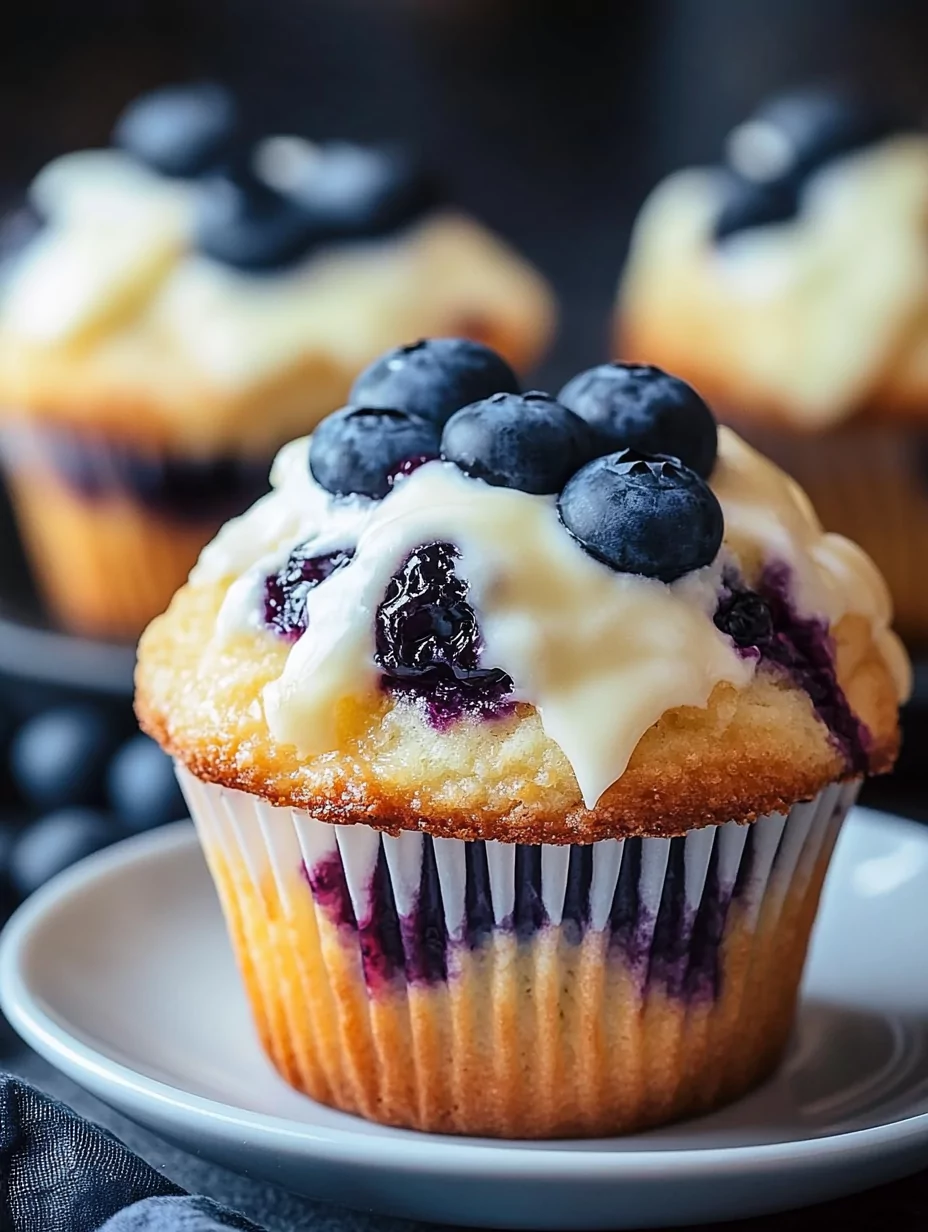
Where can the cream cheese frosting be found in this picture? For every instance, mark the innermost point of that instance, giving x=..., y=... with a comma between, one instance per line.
x=811, y=311
x=600, y=655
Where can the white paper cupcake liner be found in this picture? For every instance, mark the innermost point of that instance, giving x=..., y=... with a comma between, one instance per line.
x=513, y=990
x=662, y=902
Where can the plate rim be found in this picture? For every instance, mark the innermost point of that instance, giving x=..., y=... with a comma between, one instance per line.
x=434, y=1154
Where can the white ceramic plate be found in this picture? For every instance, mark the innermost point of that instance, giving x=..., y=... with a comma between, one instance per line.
x=119, y=973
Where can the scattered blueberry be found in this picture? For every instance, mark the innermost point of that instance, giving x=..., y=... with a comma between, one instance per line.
x=142, y=787
x=55, y=842
x=180, y=130
x=426, y=631
x=59, y=757
x=285, y=591
x=748, y=205
x=643, y=514
x=794, y=134
x=636, y=406
x=745, y=617
x=525, y=441
x=244, y=223
x=363, y=449
x=434, y=378
x=357, y=191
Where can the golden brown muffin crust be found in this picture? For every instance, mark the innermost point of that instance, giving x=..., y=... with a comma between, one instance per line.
x=748, y=753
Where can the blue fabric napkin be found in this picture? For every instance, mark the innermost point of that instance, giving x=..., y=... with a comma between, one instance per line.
x=60, y=1173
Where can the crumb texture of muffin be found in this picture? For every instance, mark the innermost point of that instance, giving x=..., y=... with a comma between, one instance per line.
x=518, y=732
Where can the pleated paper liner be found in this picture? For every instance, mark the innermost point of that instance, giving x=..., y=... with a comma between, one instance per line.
x=518, y=991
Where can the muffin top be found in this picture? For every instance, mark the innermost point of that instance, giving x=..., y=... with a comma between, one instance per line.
x=192, y=290
x=529, y=618
x=791, y=283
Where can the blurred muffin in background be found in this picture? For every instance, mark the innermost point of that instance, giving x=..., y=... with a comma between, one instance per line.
x=791, y=286
x=185, y=302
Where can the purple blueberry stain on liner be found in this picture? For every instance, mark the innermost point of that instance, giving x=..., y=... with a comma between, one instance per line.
x=679, y=949
x=478, y=898
x=380, y=938
x=424, y=931
x=326, y=879
x=703, y=978
x=670, y=943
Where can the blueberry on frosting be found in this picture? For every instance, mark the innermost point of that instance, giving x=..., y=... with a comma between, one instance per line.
x=525, y=441
x=641, y=407
x=795, y=133
x=643, y=514
x=362, y=450
x=434, y=378
x=747, y=204
x=785, y=141
x=360, y=191
x=179, y=130
x=244, y=223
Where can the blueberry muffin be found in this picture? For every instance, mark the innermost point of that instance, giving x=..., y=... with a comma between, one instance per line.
x=518, y=732
x=188, y=303
x=790, y=285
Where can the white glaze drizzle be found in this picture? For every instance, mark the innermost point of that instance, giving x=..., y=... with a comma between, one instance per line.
x=600, y=655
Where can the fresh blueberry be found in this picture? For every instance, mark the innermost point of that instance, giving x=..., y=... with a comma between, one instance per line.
x=59, y=757
x=244, y=223
x=747, y=205
x=142, y=787
x=55, y=842
x=745, y=616
x=426, y=631
x=180, y=130
x=525, y=441
x=363, y=449
x=643, y=514
x=434, y=378
x=286, y=590
x=357, y=191
x=794, y=134
x=635, y=406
